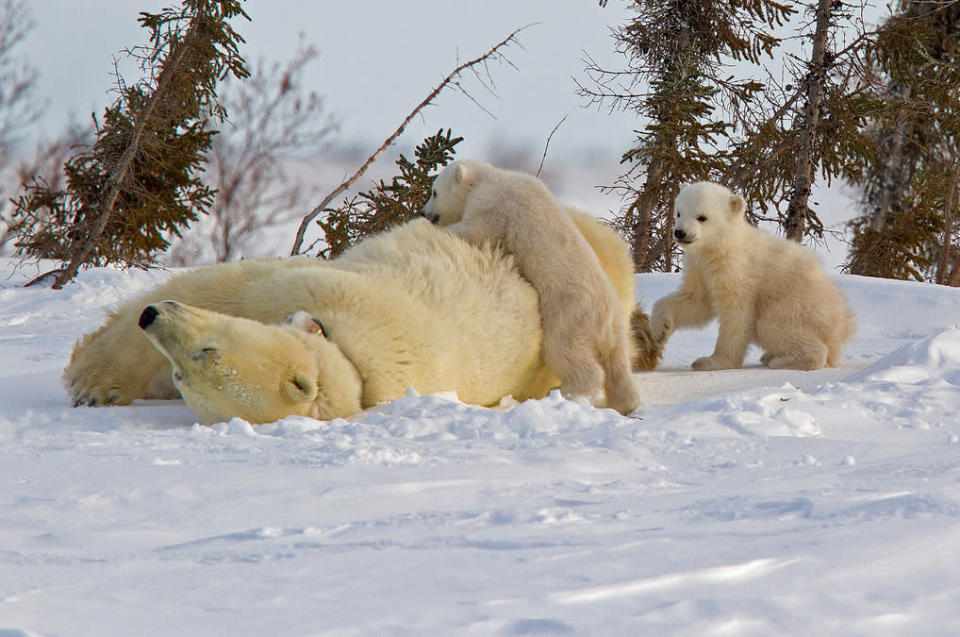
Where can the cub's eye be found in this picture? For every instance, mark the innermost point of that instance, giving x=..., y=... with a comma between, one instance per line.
x=702, y=218
x=433, y=193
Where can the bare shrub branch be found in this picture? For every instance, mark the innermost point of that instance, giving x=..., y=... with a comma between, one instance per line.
x=547, y=145
x=18, y=107
x=494, y=53
x=274, y=121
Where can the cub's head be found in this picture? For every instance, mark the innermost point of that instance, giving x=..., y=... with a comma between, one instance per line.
x=706, y=212
x=448, y=196
x=227, y=367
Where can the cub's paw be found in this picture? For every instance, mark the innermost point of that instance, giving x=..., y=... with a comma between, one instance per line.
x=661, y=325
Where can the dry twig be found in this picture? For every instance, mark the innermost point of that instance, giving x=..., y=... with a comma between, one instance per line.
x=547, y=145
x=452, y=78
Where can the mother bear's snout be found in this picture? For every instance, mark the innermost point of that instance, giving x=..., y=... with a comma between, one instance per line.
x=147, y=317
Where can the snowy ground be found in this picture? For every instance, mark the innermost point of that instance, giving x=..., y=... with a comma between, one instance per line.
x=748, y=502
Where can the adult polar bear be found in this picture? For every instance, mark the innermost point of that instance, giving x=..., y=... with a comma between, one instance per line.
x=763, y=289
x=414, y=307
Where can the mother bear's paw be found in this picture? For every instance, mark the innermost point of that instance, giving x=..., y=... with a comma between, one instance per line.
x=114, y=366
x=91, y=395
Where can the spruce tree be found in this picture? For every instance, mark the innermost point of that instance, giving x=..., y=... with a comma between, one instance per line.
x=141, y=180
x=677, y=79
x=808, y=127
x=388, y=204
x=907, y=227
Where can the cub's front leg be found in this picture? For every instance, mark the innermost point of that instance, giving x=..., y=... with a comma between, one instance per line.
x=732, y=341
x=117, y=364
x=683, y=308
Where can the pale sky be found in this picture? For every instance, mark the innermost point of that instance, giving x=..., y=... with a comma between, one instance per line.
x=378, y=59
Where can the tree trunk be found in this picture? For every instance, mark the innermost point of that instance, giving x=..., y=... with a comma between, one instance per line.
x=795, y=223
x=948, y=210
x=646, y=249
x=642, y=231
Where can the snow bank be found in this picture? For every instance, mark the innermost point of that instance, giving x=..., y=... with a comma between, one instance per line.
x=748, y=501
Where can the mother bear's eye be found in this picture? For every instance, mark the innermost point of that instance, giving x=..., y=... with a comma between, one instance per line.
x=702, y=218
x=204, y=353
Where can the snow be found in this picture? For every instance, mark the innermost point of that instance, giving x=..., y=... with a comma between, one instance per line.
x=743, y=502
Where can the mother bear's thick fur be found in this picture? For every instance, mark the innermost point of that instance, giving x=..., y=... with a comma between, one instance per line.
x=414, y=307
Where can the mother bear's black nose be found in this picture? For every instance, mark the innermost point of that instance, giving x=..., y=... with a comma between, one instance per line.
x=147, y=317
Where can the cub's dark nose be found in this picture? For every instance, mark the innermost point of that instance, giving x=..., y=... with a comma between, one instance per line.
x=147, y=317
x=678, y=233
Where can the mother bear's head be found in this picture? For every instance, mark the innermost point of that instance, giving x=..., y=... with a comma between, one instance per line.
x=225, y=365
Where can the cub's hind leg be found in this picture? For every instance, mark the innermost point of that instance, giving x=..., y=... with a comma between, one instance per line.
x=572, y=358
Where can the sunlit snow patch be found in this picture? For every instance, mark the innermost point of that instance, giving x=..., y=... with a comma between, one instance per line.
x=933, y=358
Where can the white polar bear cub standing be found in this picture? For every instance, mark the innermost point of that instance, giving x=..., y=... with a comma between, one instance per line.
x=584, y=329
x=763, y=289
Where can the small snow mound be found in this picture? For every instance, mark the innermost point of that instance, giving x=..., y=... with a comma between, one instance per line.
x=786, y=412
x=930, y=359
x=236, y=427
x=291, y=427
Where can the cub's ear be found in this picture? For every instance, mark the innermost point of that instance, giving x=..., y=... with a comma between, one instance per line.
x=306, y=322
x=738, y=205
x=461, y=172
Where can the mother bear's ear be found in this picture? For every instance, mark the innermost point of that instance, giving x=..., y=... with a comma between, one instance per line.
x=738, y=205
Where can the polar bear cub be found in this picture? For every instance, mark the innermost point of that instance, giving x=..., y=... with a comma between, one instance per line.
x=763, y=289
x=584, y=328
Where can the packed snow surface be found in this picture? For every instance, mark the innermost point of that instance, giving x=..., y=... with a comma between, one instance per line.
x=743, y=502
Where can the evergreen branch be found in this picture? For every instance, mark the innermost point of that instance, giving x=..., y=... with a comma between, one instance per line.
x=451, y=78
x=119, y=171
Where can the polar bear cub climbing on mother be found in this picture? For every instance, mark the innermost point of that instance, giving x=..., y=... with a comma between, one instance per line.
x=585, y=337
x=762, y=289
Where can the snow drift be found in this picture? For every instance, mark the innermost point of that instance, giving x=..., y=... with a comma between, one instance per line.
x=747, y=501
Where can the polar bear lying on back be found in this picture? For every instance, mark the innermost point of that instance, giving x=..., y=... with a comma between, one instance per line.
x=763, y=289
x=585, y=337
x=413, y=307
